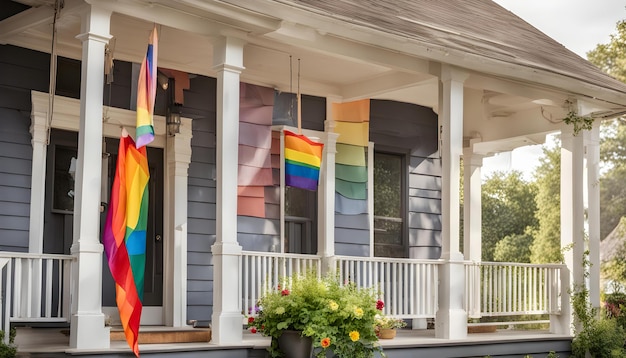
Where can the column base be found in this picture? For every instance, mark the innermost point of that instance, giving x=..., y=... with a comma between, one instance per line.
x=451, y=324
x=87, y=331
x=226, y=328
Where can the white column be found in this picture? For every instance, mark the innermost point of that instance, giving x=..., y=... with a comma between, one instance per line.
x=572, y=215
x=227, y=318
x=87, y=330
x=39, y=131
x=326, y=197
x=592, y=150
x=178, y=157
x=451, y=318
x=472, y=205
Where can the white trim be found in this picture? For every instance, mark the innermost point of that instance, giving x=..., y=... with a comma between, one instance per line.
x=66, y=117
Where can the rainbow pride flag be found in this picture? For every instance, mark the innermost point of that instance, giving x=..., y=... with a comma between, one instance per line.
x=303, y=158
x=124, y=236
x=146, y=92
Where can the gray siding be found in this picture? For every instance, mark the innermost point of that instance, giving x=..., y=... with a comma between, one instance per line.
x=411, y=129
x=200, y=105
x=20, y=71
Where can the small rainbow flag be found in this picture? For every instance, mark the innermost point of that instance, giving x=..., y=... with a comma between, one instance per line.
x=303, y=158
x=146, y=92
x=124, y=236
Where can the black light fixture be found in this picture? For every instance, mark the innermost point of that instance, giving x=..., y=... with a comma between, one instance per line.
x=173, y=118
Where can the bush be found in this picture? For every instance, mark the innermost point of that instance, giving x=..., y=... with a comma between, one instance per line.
x=603, y=338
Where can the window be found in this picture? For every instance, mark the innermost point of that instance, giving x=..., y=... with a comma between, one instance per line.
x=389, y=205
x=300, y=221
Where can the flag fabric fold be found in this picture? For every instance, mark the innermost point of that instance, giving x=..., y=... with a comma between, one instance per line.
x=303, y=158
x=124, y=236
x=146, y=92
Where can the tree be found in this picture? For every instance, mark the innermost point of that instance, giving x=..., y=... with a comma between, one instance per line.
x=514, y=248
x=508, y=209
x=611, y=57
x=546, y=247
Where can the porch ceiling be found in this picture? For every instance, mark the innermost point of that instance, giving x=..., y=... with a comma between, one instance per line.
x=332, y=60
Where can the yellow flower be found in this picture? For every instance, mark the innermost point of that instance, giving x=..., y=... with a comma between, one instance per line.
x=354, y=336
x=358, y=312
x=333, y=305
x=280, y=310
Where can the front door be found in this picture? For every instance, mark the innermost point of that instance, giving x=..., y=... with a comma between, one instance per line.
x=58, y=224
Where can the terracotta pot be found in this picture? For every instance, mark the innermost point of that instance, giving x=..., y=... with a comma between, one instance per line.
x=293, y=345
x=387, y=333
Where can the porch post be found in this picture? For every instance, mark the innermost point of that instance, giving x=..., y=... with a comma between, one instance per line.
x=592, y=150
x=227, y=320
x=572, y=215
x=39, y=132
x=472, y=205
x=451, y=318
x=178, y=157
x=326, y=197
x=87, y=330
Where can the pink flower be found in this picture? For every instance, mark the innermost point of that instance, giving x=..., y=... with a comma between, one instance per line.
x=250, y=320
x=380, y=305
x=253, y=330
x=285, y=292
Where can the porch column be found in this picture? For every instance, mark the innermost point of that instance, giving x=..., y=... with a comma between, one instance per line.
x=592, y=150
x=472, y=205
x=451, y=318
x=87, y=330
x=227, y=319
x=326, y=197
x=572, y=216
x=178, y=157
x=39, y=132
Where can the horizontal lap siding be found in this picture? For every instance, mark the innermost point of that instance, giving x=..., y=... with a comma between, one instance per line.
x=20, y=71
x=201, y=203
x=411, y=129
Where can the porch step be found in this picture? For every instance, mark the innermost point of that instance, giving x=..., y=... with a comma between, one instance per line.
x=148, y=335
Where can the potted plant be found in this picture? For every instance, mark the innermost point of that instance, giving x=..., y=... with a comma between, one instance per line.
x=386, y=326
x=338, y=318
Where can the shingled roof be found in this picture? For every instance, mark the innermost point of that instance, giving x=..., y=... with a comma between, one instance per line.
x=479, y=27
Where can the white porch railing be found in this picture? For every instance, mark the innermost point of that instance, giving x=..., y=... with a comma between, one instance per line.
x=261, y=271
x=505, y=289
x=35, y=288
x=408, y=287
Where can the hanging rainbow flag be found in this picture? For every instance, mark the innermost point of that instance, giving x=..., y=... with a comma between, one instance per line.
x=303, y=158
x=124, y=236
x=146, y=92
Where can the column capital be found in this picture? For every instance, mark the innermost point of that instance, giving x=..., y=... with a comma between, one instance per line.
x=228, y=54
x=451, y=73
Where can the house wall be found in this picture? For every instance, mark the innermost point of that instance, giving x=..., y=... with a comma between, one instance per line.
x=20, y=71
x=412, y=129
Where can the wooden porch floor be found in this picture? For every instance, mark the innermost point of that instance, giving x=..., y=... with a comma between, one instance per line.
x=54, y=342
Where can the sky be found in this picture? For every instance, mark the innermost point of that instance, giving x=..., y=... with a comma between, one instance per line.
x=579, y=25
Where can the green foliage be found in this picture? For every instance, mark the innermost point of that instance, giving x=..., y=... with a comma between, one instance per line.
x=611, y=57
x=8, y=350
x=612, y=188
x=508, y=209
x=546, y=247
x=338, y=317
x=514, y=248
x=579, y=122
x=615, y=269
x=601, y=337
x=615, y=307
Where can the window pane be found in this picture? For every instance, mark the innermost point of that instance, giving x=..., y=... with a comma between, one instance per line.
x=388, y=208
x=64, y=170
